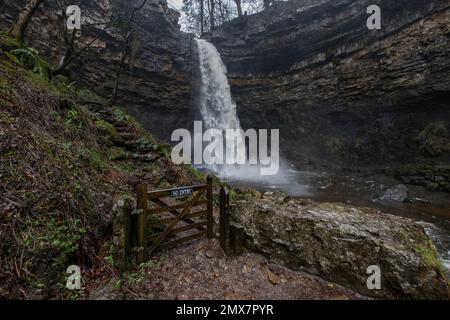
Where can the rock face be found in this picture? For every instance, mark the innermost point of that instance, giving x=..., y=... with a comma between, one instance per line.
x=397, y=193
x=339, y=242
x=339, y=91
x=157, y=78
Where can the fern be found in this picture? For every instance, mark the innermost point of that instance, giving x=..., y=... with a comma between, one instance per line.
x=121, y=115
x=30, y=59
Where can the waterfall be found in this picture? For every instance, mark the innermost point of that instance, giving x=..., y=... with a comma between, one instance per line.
x=217, y=107
x=218, y=111
x=216, y=104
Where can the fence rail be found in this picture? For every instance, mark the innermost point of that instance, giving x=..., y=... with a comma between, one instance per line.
x=179, y=216
x=166, y=218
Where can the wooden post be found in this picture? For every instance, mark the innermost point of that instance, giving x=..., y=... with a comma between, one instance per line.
x=142, y=228
x=127, y=208
x=121, y=234
x=236, y=240
x=224, y=220
x=210, y=208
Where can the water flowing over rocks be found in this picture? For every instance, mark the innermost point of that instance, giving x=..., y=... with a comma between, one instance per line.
x=339, y=242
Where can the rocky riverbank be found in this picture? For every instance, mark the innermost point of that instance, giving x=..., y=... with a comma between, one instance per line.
x=339, y=242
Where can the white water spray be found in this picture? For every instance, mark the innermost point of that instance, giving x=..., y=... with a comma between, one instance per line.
x=219, y=111
x=216, y=104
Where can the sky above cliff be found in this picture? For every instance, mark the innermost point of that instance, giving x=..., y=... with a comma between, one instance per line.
x=177, y=4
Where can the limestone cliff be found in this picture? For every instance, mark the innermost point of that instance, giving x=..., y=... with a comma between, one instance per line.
x=339, y=91
x=157, y=80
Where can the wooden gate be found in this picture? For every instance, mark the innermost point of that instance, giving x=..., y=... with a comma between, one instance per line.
x=174, y=211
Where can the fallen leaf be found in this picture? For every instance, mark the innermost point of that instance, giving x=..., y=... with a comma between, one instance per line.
x=275, y=279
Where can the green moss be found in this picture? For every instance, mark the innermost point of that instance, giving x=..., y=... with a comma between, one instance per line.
x=233, y=195
x=13, y=58
x=430, y=256
x=62, y=86
x=9, y=43
x=116, y=153
x=128, y=166
x=121, y=115
x=107, y=129
x=77, y=117
x=31, y=60
x=145, y=143
x=334, y=145
x=196, y=173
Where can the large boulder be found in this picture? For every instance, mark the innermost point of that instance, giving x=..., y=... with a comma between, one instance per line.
x=397, y=193
x=339, y=242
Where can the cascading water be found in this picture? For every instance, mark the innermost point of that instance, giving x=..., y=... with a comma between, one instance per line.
x=216, y=104
x=218, y=111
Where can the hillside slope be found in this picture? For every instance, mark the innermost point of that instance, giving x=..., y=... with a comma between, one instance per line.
x=64, y=161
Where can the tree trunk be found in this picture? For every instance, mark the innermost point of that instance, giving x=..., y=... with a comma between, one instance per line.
x=24, y=18
x=202, y=14
x=211, y=15
x=239, y=7
x=124, y=53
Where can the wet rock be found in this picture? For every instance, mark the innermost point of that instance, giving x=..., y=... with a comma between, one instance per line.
x=417, y=200
x=155, y=85
x=289, y=69
x=106, y=292
x=397, y=193
x=432, y=186
x=339, y=242
x=148, y=157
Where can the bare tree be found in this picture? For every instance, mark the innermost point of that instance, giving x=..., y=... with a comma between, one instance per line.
x=71, y=51
x=24, y=18
x=211, y=13
x=124, y=53
x=202, y=15
x=239, y=7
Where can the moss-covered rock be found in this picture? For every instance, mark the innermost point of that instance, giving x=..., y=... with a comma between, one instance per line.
x=339, y=242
